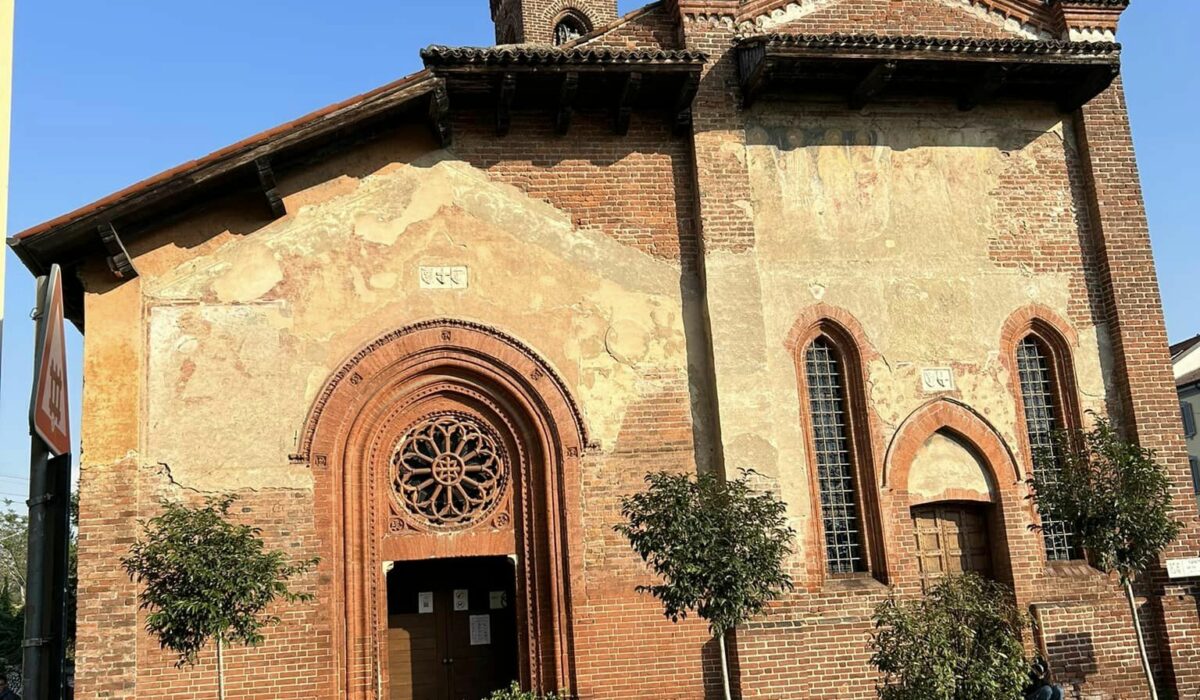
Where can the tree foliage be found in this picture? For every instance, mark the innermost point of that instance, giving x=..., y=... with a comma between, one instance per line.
x=514, y=692
x=1113, y=495
x=14, y=543
x=208, y=579
x=961, y=641
x=718, y=546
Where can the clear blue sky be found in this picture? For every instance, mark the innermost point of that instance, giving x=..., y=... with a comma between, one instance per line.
x=106, y=93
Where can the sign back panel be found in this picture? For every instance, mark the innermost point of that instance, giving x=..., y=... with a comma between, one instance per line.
x=49, y=413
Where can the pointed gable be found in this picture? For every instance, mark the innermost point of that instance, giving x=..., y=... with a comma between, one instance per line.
x=933, y=18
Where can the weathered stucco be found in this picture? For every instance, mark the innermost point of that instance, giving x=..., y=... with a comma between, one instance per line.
x=945, y=462
x=247, y=328
x=899, y=217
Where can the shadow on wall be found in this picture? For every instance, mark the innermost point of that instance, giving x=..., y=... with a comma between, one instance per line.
x=1073, y=658
x=710, y=659
x=817, y=124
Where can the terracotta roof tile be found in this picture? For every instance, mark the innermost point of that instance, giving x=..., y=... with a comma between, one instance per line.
x=530, y=54
x=1031, y=47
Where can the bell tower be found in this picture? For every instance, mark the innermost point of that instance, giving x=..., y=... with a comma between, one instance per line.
x=549, y=22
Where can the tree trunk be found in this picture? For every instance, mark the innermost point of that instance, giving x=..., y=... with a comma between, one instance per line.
x=220, y=668
x=1137, y=626
x=724, y=665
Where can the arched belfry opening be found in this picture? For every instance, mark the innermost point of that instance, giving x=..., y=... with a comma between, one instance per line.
x=441, y=457
x=549, y=22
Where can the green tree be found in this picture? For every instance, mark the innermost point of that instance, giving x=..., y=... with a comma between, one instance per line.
x=12, y=633
x=14, y=542
x=1116, y=499
x=207, y=579
x=960, y=641
x=718, y=546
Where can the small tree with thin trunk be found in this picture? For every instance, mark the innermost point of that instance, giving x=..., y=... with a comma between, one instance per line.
x=718, y=546
x=960, y=641
x=1116, y=500
x=208, y=580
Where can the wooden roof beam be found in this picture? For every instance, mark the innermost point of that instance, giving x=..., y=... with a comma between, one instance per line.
x=985, y=88
x=266, y=181
x=631, y=85
x=682, y=114
x=567, y=92
x=504, y=100
x=439, y=114
x=872, y=85
x=118, y=258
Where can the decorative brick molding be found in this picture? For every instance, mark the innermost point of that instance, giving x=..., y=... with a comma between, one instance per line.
x=854, y=350
x=957, y=418
x=1059, y=340
x=358, y=419
x=1009, y=517
x=1088, y=20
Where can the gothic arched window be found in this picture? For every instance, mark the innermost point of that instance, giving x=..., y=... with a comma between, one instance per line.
x=1044, y=416
x=834, y=455
x=569, y=28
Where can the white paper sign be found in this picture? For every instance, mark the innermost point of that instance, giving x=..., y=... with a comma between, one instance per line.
x=1183, y=568
x=461, y=602
x=425, y=602
x=481, y=630
x=498, y=600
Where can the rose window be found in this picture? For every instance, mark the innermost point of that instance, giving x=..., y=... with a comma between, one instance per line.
x=449, y=471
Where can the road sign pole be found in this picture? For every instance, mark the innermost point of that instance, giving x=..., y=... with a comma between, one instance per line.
x=44, y=649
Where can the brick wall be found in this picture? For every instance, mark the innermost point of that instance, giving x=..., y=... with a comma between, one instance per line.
x=684, y=200
x=1147, y=399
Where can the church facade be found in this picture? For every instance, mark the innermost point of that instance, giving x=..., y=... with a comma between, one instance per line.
x=877, y=251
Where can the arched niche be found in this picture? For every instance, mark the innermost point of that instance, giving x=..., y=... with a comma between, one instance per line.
x=948, y=468
x=477, y=374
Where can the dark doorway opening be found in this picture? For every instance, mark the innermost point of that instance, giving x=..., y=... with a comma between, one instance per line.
x=452, y=628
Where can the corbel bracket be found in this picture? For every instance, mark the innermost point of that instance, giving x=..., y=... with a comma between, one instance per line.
x=504, y=102
x=118, y=258
x=626, y=97
x=567, y=93
x=872, y=85
x=266, y=180
x=439, y=114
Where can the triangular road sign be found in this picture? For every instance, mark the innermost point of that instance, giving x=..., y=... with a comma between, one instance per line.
x=49, y=414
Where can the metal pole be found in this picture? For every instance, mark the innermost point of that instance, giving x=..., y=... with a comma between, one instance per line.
x=44, y=650
x=58, y=514
x=38, y=643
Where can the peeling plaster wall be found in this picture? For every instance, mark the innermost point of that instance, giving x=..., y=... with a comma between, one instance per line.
x=236, y=323
x=946, y=462
x=914, y=221
x=247, y=332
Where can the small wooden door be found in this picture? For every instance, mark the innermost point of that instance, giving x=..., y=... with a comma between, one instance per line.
x=952, y=538
x=452, y=631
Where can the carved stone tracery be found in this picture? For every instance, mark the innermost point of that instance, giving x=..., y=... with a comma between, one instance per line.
x=449, y=472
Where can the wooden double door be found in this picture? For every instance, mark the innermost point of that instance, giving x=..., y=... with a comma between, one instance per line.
x=452, y=632
x=953, y=538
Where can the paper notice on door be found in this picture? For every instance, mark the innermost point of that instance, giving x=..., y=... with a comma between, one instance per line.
x=424, y=602
x=481, y=630
x=461, y=599
x=498, y=600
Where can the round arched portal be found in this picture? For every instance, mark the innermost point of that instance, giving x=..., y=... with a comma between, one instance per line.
x=442, y=441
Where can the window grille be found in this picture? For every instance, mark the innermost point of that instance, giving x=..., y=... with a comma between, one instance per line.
x=1042, y=420
x=835, y=464
x=1189, y=419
